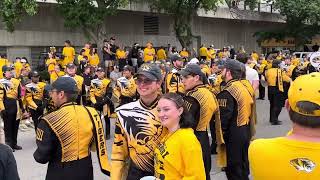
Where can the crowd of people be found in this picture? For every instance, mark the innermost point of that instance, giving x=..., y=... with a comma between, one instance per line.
x=165, y=104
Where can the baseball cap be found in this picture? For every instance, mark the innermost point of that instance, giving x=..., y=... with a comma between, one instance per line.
x=232, y=65
x=66, y=84
x=128, y=68
x=176, y=58
x=6, y=68
x=70, y=65
x=305, y=89
x=191, y=69
x=35, y=74
x=151, y=71
x=100, y=69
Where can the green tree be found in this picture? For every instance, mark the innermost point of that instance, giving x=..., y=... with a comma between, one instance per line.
x=88, y=15
x=302, y=21
x=12, y=11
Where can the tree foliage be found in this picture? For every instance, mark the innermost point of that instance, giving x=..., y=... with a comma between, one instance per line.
x=302, y=21
x=88, y=15
x=12, y=11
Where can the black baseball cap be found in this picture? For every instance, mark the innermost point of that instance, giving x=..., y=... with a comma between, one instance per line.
x=191, y=69
x=6, y=68
x=128, y=68
x=100, y=69
x=66, y=84
x=175, y=58
x=151, y=71
x=232, y=65
x=71, y=65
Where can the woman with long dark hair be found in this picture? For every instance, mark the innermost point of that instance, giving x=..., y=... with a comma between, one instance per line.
x=179, y=155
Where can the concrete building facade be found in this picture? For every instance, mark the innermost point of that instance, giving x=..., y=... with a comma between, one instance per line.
x=36, y=34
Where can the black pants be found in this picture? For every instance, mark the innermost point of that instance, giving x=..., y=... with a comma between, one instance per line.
x=122, y=63
x=11, y=125
x=76, y=170
x=35, y=114
x=203, y=138
x=107, y=120
x=213, y=136
x=237, y=145
x=276, y=100
x=135, y=173
x=261, y=91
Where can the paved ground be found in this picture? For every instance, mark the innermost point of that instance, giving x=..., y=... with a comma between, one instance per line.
x=30, y=170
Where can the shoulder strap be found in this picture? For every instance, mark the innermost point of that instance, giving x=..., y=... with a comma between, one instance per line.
x=100, y=142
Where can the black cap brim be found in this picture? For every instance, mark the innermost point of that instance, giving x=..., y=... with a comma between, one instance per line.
x=147, y=74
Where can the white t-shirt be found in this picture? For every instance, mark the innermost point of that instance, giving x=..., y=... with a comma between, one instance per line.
x=251, y=74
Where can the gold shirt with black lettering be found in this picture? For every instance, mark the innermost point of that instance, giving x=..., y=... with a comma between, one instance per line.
x=179, y=157
x=34, y=92
x=208, y=105
x=98, y=88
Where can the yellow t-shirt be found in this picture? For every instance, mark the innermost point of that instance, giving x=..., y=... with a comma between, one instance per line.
x=295, y=62
x=3, y=62
x=203, y=51
x=51, y=63
x=161, y=54
x=255, y=56
x=68, y=53
x=211, y=54
x=94, y=60
x=179, y=157
x=184, y=54
x=17, y=67
x=284, y=159
x=120, y=54
x=54, y=76
x=146, y=55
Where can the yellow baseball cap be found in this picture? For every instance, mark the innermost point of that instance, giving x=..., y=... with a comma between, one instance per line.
x=305, y=88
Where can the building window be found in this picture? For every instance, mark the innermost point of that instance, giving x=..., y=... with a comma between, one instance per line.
x=151, y=25
x=3, y=50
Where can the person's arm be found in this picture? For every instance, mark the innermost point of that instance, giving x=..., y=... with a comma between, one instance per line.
x=226, y=106
x=45, y=143
x=91, y=94
x=193, y=107
x=120, y=153
x=8, y=165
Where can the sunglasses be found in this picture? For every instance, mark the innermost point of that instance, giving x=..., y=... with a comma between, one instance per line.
x=145, y=81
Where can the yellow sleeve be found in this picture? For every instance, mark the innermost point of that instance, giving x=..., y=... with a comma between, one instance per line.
x=2, y=92
x=92, y=96
x=119, y=153
x=285, y=77
x=30, y=103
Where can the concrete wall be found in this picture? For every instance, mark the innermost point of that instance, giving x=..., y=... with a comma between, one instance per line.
x=47, y=29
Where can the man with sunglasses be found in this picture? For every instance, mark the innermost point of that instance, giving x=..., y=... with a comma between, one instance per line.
x=203, y=106
x=64, y=137
x=138, y=129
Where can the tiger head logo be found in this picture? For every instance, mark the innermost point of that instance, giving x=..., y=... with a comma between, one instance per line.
x=303, y=164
